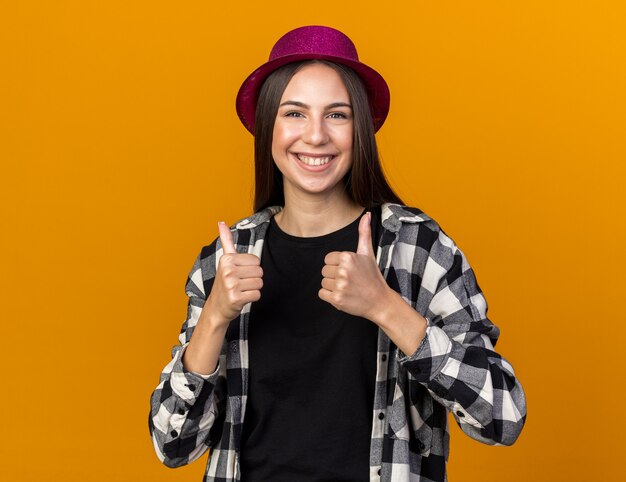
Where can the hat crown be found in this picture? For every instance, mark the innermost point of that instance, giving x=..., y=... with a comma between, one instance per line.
x=315, y=39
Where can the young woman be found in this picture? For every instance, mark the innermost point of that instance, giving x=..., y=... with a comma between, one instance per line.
x=329, y=335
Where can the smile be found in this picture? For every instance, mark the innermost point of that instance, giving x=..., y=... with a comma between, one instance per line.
x=314, y=161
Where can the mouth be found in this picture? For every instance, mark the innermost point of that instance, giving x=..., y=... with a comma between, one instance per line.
x=315, y=160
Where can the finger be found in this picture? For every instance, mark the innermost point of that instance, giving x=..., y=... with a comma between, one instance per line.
x=248, y=297
x=328, y=284
x=330, y=271
x=253, y=295
x=247, y=271
x=226, y=237
x=332, y=258
x=324, y=295
x=365, y=236
x=237, y=272
x=246, y=259
x=250, y=284
x=327, y=296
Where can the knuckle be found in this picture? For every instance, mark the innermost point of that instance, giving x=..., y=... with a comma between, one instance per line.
x=227, y=258
x=253, y=259
x=232, y=297
x=346, y=257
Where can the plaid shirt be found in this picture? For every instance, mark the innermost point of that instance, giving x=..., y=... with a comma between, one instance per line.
x=455, y=368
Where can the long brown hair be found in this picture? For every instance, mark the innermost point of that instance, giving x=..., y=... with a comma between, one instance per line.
x=365, y=182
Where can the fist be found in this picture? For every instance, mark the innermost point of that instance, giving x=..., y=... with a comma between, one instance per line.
x=238, y=280
x=352, y=282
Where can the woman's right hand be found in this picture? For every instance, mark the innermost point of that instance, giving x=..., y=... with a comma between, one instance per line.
x=238, y=280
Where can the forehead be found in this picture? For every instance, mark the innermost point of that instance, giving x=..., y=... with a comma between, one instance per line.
x=316, y=82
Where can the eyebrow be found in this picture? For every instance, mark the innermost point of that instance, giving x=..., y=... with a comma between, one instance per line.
x=334, y=105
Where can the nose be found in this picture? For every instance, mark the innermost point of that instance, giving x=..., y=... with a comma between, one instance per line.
x=315, y=132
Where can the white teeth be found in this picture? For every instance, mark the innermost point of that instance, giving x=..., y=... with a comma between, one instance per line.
x=314, y=161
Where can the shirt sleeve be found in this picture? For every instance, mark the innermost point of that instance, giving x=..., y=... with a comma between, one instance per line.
x=186, y=407
x=456, y=361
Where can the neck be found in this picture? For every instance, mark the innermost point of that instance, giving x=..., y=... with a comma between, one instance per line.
x=309, y=216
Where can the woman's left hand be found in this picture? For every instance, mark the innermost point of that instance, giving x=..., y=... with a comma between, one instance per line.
x=352, y=282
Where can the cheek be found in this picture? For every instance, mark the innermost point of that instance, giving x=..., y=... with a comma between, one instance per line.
x=342, y=136
x=282, y=137
x=348, y=151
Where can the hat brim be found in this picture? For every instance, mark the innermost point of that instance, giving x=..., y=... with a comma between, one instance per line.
x=375, y=85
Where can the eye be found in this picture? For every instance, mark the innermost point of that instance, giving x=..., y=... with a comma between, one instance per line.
x=338, y=115
x=293, y=114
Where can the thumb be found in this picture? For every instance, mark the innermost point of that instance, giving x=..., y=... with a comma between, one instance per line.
x=226, y=237
x=365, y=236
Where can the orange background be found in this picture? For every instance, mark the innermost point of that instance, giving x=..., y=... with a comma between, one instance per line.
x=120, y=150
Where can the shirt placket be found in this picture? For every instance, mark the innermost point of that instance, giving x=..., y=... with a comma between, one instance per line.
x=386, y=369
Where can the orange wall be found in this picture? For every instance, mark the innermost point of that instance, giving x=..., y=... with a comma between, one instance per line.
x=120, y=149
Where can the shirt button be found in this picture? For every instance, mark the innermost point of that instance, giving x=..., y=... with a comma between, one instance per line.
x=460, y=414
x=381, y=415
x=420, y=444
x=174, y=433
x=384, y=357
x=191, y=387
x=181, y=411
x=378, y=471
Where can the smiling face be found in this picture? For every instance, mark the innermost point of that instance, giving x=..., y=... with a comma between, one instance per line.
x=312, y=135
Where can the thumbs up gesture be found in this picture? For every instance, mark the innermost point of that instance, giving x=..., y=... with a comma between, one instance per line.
x=238, y=281
x=352, y=282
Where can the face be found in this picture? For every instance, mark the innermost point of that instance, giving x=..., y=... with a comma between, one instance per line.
x=312, y=137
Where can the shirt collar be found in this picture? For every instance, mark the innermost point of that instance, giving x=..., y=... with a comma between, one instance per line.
x=258, y=218
x=393, y=215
